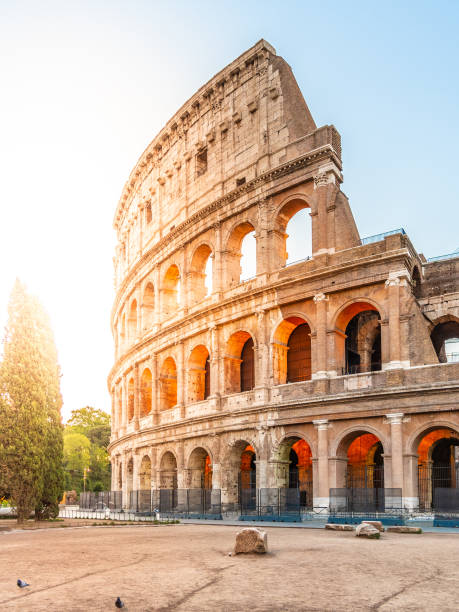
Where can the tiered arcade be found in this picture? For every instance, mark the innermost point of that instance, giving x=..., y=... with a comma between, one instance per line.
x=329, y=372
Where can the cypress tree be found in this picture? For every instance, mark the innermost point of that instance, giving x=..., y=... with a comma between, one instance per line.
x=30, y=421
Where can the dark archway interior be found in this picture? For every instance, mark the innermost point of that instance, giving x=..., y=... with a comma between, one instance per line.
x=363, y=343
x=299, y=354
x=247, y=366
x=440, y=334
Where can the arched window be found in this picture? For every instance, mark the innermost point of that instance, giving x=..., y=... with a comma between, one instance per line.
x=200, y=278
x=239, y=363
x=299, y=237
x=168, y=384
x=292, y=351
x=358, y=347
x=247, y=366
x=132, y=321
x=171, y=290
x=293, y=238
x=145, y=392
x=445, y=338
x=148, y=307
x=241, y=254
x=198, y=374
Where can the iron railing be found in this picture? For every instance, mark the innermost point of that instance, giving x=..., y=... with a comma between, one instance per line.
x=379, y=237
x=433, y=477
x=271, y=504
x=185, y=503
x=361, y=500
x=101, y=500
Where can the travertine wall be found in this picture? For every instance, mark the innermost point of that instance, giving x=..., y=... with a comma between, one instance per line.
x=244, y=154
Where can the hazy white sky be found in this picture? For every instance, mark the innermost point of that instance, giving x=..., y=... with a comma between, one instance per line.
x=85, y=86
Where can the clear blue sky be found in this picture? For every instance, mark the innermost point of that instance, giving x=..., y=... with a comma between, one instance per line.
x=86, y=86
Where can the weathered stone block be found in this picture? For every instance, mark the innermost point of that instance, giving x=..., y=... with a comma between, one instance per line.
x=334, y=527
x=251, y=540
x=377, y=524
x=364, y=530
x=404, y=529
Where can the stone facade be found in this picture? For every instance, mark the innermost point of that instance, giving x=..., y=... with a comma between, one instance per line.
x=202, y=387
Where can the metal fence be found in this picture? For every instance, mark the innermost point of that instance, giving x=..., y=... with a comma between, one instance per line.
x=101, y=500
x=431, y=478
x=446, y=500
x=351, y=500
x=271, y=504
x=184, y=503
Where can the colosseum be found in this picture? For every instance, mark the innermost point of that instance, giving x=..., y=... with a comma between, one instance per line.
x=338, y=371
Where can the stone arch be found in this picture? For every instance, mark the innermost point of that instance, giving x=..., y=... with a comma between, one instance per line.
x=436, y=446
x=445, y=333
x=291, y=350
x=293, y=465
x=239, y=473
x=233, y=251
x=171, y=290
x=198, y=387
x=197, y=276
x=358, y=341
x=130, y=398
x=199, y=469
x=145, y=474
x=146, y=382
x=168, y=470
x=287, y=210
x=168, y=384
x=148, y=306
x=360, y=453
x=132, y=321
x=413, y=440
x=239, y=362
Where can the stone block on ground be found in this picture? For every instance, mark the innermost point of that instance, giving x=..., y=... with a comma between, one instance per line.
x=377, y=524
x=404, y=529
x=339, y=527
x=364, y=530
x=251, y=540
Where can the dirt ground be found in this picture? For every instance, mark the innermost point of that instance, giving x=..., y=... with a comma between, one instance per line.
x=187, y=568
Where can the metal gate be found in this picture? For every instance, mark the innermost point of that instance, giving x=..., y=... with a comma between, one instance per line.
x=365, y=477
x=432, y=477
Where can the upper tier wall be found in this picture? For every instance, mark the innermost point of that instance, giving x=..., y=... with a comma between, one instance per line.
x=247, y=119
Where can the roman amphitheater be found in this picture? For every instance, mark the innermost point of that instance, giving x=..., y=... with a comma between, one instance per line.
x=340, y=370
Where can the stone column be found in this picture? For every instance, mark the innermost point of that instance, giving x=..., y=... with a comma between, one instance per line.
x=217, y=268
x=320, y=367
x=157, y=306
x=325, y=187
x=124, y=403
x=323, y=489
x=262, y=355
x=214, y=366
x=262, y=238
x=393, y=284
x=396, y=434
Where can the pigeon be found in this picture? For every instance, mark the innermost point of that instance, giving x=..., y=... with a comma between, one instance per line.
x=119, y=603
x=22, y=583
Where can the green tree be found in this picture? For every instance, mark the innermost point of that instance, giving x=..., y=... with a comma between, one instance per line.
x=77, y=456
x=94, y=424
x=30, y=427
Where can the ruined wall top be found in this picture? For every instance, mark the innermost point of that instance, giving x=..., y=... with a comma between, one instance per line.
x=246, y=120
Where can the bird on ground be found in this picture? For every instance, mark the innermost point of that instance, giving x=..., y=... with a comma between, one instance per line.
x=119, y=603
x=22, y=583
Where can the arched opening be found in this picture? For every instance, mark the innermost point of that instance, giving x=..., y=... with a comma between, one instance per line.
x=168, y=471
x=241, y=254
x=416, y=282
x=148, y=307
x=132, y=321
x=438, y=465
x=199, y=472
x=293, y=238
x=145, y=474
x=200, y=277
x=198, y=374
x=168, y=384
x=171, y=290
x=130, y=399
x=361, y=349
x=294, y=469
x=239, y=363
x=292, y=351
x=360, y=474
x=247, y=366
x=445, y=338
x=145, y=392
x=298, y=237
